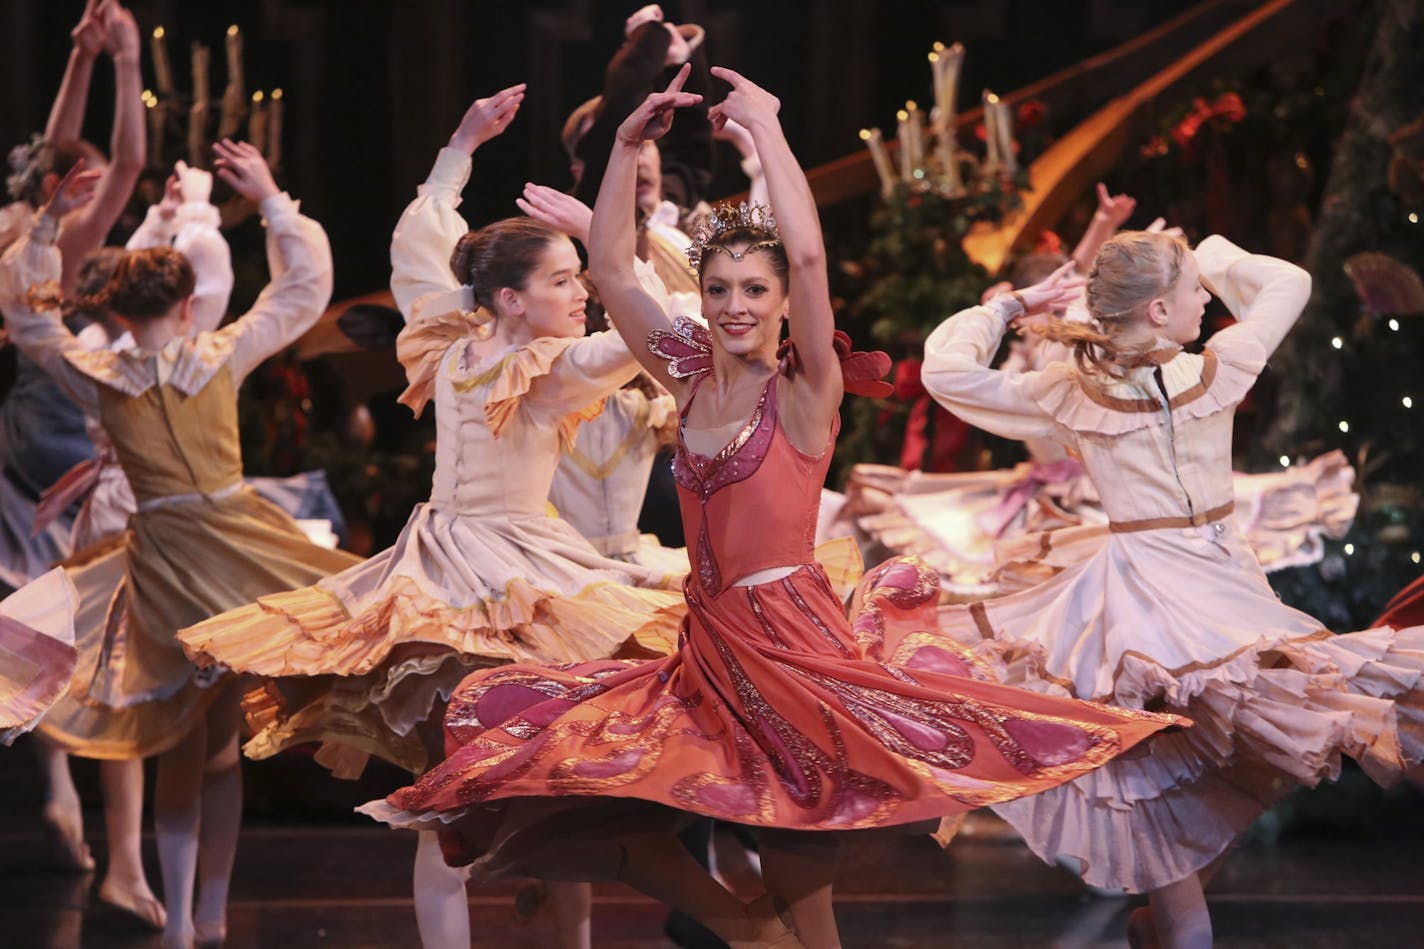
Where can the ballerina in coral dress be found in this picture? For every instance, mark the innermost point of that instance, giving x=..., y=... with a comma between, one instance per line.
x=1172, y=611
x=775, y=711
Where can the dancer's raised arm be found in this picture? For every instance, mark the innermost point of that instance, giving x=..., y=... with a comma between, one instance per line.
x=1266, y=295
x=431, y=225
x=89, y=227
x=187, y=221
x=811, y=318
x=612, y=242
x=298, y=256
x=66, y=116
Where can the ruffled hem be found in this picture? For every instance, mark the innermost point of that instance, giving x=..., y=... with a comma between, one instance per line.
x=1273, y=716
x=309, y=632
x=422, y=345
x=514, y=375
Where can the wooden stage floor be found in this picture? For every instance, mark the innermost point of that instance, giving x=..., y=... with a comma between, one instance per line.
x=308, y=876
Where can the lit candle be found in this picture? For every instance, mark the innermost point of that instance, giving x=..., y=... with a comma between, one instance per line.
x=902, y=141
x=155, y=128
x=198, y=114
x=991, y=137
x=234, y=101
x=915, y=125
x=257, y=123
x=274, y=129
x=161, y=69
x=876, y=143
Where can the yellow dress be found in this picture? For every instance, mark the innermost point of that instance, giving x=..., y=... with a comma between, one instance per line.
x=201, y=541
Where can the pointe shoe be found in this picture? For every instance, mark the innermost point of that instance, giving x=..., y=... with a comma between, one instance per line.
x=1142, y=929
x=140, y=903
x=64, y=833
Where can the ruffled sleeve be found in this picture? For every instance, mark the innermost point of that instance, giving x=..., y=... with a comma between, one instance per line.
x=422, y=345
x=562, y=379
x=956, y=373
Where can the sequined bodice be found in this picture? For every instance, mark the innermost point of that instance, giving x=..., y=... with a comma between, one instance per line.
x=751, y=506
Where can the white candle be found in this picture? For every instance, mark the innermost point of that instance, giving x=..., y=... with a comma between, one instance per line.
x=198, y=114
x=257, y=123
x=155, y=128
x=274, y=129
x=234, y=100
x=991, y=136
x=1004, y=125
x=915, y=126
x=876, y=143
x=902, y=141
x=161, y=68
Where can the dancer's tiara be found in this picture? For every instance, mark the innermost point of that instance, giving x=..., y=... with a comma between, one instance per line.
x=730, y=217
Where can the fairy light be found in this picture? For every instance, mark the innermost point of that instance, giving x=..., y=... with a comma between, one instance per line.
x=1408, y=402
x=1337, y=342
x=1285, y=462
x=1344, y=425
x=1413, y=218
x=1349, y=550
x=1414, y=556
x=1394, y=325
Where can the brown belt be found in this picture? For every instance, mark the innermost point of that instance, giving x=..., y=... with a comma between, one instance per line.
x=1159, y=523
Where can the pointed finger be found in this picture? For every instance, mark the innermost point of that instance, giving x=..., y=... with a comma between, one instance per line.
x=681, y=78
x=729, y=75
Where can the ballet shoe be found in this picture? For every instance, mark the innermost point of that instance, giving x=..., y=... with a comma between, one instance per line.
x=210, y=935
x=64, y=835
x=139, y=903
x=1142, y=929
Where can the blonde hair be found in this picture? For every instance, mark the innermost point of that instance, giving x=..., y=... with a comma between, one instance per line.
x=1132, y=269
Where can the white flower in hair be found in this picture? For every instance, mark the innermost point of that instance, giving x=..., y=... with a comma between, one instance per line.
x=732, y=217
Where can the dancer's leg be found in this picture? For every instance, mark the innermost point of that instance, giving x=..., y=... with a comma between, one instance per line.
x=177, y=811
x=125, y=883
x=572, y=904
x=63, y=815
x=660, y=866
x=798, y=868
x=221, y=817
x=1180, y=915
x=442, y=908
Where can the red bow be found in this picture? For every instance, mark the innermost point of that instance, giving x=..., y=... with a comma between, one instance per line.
x=1228, y=106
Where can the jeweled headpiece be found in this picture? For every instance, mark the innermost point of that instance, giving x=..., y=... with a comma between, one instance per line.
x=732, y=217
x=24, y=167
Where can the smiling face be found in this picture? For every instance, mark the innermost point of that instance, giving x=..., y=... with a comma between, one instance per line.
x=743, y=301
x=552, y=300
x=1182, y=306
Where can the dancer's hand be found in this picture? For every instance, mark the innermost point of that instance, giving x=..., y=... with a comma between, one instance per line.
x=652, y=13
x=88, y=36
x=1055, y=291
x=74, y=190
x=1003, y=286
x=747, y=103
x=563, y=212
x=1159, y=226
x=172, y=197
x=651, y=120
x=1115, y=208
x=195, y=183
x=120, y=32
x=486, y=118
x=242, y=166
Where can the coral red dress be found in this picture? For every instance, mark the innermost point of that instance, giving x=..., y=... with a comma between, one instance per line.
x=776, y=711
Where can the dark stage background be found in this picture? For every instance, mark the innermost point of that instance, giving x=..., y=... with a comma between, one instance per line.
x=374, y=88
